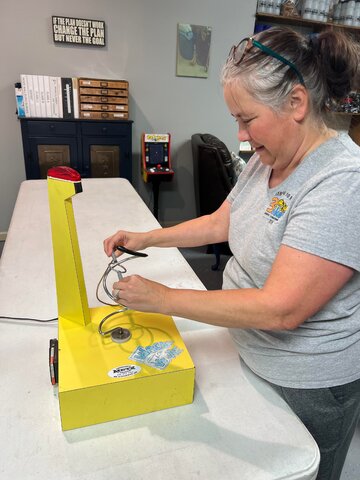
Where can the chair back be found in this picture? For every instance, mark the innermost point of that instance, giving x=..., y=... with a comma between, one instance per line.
x=214, y=175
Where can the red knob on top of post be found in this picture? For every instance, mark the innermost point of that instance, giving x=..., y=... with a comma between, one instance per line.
x=64, y=173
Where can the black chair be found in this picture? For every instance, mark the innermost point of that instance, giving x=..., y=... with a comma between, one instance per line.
x=214, y=177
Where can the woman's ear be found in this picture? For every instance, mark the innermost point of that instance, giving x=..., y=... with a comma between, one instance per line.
x=299, y=102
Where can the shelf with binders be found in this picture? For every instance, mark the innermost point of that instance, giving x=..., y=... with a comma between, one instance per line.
x=44, y=96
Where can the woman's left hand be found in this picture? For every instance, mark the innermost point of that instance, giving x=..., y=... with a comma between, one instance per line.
x=138, y=293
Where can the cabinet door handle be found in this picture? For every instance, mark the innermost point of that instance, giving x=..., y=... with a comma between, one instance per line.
x=104, y=129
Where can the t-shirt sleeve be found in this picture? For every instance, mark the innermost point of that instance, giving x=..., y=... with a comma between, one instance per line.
x=326, y=220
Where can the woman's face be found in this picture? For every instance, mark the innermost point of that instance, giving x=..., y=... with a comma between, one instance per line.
x=271, y=135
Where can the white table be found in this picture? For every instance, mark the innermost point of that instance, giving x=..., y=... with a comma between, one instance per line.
x=237, y=427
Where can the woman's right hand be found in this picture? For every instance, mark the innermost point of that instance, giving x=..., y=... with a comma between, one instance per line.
x=130, y=240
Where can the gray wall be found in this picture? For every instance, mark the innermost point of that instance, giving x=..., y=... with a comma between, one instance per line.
x=141, y=48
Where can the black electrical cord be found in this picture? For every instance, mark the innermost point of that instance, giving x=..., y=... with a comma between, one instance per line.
x=112, y=266
x=25, y=319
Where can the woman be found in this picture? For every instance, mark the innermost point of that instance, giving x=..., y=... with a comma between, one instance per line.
x=291, y=291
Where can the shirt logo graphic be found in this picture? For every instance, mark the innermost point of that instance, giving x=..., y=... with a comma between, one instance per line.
x=276, y=209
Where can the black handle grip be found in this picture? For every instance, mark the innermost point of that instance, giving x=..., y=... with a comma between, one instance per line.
x=131, y=252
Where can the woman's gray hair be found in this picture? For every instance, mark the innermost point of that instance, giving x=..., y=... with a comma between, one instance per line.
x=328, y=62
x=264, y=81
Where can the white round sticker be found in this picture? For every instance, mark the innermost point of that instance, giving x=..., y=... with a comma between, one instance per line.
x=124, y=371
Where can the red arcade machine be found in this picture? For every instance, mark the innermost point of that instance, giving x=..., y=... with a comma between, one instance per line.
x=155, y=162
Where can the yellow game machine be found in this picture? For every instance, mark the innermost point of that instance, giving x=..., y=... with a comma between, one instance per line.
x=137, y=364
x=156, y=162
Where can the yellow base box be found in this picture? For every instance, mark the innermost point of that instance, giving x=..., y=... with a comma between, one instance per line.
x=98, y=382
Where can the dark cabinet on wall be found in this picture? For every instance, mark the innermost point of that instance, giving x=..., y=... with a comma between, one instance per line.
x=94, y=148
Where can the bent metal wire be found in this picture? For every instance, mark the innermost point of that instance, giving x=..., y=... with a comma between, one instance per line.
x=118, y=267
x=238, y=52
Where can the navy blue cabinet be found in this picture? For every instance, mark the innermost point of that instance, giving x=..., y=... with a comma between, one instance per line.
x=95, y=148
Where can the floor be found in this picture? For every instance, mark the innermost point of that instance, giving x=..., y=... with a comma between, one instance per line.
x=201, y=263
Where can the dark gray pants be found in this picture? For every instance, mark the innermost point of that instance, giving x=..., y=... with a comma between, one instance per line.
x=330, y=415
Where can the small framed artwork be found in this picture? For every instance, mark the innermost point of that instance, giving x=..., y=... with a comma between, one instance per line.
x=193, y=50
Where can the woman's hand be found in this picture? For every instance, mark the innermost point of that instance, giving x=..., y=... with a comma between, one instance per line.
x=130, y=240
x=138, y=293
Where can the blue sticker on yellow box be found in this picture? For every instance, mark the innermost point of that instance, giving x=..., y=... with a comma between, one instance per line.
x=158, y=355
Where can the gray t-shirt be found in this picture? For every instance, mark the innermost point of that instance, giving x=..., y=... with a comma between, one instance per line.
x=316, y=210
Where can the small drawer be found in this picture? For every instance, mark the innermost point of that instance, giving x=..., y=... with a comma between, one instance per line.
x=45, y=128
x=105, y=128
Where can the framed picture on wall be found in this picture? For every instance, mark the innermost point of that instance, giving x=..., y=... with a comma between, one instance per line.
x=193, y=50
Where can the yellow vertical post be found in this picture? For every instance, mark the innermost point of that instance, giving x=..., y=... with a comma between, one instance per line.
x=64, y=183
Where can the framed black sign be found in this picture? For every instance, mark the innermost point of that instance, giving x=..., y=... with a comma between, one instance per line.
x=79, y=31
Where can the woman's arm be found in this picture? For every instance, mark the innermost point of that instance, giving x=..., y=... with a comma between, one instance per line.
x=299, y=285
x=199, y=231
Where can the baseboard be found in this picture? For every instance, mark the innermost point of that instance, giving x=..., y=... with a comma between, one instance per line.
x=3, y=236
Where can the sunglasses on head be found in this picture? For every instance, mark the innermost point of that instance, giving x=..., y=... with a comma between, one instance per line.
x=238, y=52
